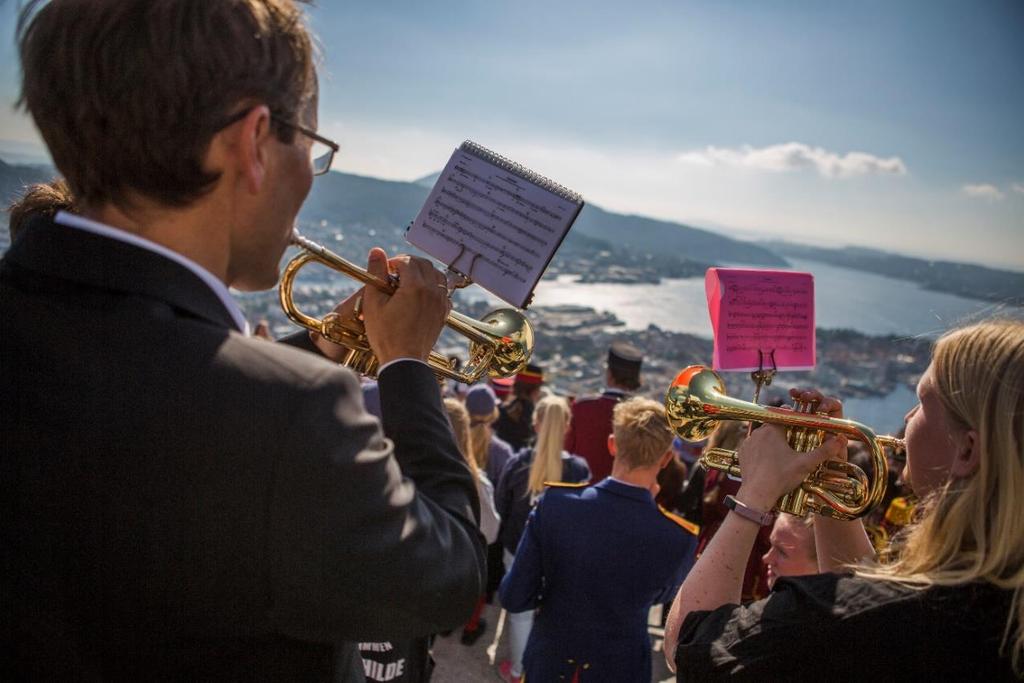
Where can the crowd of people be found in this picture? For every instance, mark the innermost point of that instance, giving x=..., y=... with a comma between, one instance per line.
x=188, y=500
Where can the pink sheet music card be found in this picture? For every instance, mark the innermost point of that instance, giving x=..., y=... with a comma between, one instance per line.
x=759, y=314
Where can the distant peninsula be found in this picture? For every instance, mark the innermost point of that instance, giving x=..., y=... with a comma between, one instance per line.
x=961, y=279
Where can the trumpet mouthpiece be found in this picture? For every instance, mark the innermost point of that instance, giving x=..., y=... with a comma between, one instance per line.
x=303, y=243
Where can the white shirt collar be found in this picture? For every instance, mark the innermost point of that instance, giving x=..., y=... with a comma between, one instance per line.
x=74, y=221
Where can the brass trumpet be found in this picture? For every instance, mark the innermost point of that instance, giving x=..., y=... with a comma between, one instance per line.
x=696, y=402
x=499, y=345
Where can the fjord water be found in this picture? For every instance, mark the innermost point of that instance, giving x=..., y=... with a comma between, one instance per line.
x=844, y=299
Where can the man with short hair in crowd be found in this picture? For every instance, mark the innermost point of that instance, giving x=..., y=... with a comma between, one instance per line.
x=592, y=415
x=182, y=501
x=594, y=559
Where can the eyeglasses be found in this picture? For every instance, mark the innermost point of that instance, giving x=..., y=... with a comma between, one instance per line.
x=322, y=152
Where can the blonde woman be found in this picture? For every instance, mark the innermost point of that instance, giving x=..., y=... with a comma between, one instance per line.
x=521, y=483
x=489, y=519
x=459, y=418
x=792, y=551
x=949, y=608
x=490, y=453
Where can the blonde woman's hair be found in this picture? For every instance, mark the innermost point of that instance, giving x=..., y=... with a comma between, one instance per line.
x=642, y=434
x=551, y=417
x=458, y=416
x=480, y=433
x=972, y=529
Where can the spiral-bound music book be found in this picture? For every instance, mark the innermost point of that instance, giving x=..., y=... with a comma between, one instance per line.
x=495, y=222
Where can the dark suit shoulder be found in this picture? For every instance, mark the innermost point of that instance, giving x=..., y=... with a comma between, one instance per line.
x=266, y=361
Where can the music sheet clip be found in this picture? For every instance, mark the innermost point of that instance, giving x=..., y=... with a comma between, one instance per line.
x=763, y=376
x=455, y=278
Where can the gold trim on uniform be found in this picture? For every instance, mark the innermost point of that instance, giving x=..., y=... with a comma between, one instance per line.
x=685, y=523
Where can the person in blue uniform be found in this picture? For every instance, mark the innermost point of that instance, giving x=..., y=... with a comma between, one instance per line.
x=592, y=415
x=522, y=482
x=595, y=558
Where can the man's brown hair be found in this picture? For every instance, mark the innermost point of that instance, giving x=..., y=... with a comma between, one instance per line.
x=41, y=199
x=128, y=93
x=642, y=434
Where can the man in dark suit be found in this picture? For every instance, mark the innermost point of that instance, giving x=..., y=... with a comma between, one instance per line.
x=596, y=558
x=182, y=501
x=592, y=415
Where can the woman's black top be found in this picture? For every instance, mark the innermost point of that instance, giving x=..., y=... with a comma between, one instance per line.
x=832, y=627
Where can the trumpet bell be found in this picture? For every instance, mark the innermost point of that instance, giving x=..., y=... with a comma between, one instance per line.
x=509, y=346
x=686, y=411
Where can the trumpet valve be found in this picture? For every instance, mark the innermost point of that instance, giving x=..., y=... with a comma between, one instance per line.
x=804, y=439
x=344, y=331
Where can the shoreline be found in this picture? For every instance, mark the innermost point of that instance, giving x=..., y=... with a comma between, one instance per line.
x=572, y=342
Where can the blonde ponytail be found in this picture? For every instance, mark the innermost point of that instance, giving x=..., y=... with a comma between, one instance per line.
x=551, y=417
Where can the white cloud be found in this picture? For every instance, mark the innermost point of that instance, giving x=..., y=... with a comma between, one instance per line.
x=1018, y=187
x=792, y=156
x=984, y=191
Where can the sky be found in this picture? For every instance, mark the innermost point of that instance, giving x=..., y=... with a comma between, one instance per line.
x=894, y=125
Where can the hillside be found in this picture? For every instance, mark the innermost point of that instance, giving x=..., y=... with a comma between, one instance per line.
x=344, y=199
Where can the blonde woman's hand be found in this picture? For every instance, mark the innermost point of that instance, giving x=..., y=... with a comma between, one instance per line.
x=771, y=468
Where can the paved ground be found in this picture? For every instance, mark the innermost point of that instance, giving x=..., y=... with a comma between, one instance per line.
x=458, y=663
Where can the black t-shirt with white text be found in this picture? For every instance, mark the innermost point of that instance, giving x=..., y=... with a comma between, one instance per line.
x=408, y=661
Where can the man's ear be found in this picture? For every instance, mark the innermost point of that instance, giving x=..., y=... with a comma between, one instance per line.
x=968, y=457
x=611, y=445
x=248, y=147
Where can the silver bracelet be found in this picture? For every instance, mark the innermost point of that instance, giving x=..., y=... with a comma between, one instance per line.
x=747, y=512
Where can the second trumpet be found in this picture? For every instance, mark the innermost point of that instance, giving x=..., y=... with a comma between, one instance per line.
x=696, y=402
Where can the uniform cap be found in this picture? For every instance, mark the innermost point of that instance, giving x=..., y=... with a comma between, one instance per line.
x=532, y=375
x=625, y=357
x=502, y=386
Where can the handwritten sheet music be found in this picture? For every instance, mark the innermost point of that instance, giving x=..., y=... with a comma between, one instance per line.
x=765, y=311
x=493, y=225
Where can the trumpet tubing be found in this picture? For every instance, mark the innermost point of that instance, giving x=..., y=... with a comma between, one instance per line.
x=500, y=345
x=696, y=403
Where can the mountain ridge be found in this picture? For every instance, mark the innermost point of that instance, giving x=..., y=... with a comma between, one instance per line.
x=333, y=197
x=650, y=248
